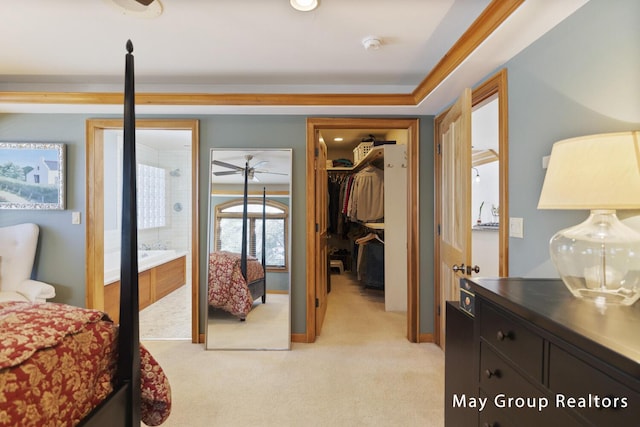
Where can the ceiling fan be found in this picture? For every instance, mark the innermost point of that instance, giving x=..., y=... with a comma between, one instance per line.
x=251, y=171
x=138, y=8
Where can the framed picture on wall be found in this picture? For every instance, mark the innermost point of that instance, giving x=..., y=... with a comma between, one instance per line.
x=32, y=175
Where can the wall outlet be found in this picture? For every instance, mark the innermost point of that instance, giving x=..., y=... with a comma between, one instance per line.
x=75, y=218
x=516, y=227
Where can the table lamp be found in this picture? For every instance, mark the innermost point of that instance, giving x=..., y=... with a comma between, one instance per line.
x=598, y=259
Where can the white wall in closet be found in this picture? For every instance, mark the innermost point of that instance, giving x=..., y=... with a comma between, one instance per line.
x=395, y=227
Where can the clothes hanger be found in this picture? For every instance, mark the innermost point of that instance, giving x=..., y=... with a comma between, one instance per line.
x=371, y=236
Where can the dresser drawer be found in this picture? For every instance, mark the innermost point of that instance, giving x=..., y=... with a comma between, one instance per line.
x=492, y=416
x=504, y=385
x=523, y=347
x=513, y=400
x=572, y=378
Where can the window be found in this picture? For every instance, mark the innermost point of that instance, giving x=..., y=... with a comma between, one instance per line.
x=228, y=230
x=151, y=196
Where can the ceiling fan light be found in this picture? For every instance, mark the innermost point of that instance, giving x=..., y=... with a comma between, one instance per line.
x=304, y=5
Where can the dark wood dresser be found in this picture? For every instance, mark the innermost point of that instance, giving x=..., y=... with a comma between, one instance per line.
x=543, y=357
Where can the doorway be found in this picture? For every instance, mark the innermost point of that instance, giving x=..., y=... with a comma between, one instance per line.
x=100, y=131
x=317, y=263
x=491, y=94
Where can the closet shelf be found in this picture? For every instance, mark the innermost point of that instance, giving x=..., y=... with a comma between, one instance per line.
x=374, y=225
x=376, y=153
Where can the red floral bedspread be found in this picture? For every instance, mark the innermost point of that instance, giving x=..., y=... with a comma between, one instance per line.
x=155, y=391
x=227, y=288
x=57, y=362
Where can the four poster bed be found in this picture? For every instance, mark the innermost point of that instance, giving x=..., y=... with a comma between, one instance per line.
x=66, y=366
x=237, y=280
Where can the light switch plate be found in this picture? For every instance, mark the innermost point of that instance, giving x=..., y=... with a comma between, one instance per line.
x=75, y=218
x=545, y=162
x=516, y=227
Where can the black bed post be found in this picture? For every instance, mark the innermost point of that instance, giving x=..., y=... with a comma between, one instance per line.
x=243, y=253
x=264, y=230
x=264, y=243
x=128, y=342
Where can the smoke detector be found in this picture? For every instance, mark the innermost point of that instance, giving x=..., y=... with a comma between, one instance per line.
x=372, y=43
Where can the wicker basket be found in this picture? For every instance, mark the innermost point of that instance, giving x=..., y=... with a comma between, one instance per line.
x=361, y=151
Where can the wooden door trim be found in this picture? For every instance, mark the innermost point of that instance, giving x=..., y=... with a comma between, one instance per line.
x=497, y=85
x=494, y=85
x=95, y=209
x=314, y=126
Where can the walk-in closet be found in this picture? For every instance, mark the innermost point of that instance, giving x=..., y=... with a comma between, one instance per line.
x=367, y=210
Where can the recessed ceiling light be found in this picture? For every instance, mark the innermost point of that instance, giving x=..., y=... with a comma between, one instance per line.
x=138, y=8
x=304, y=5
x=338, y=139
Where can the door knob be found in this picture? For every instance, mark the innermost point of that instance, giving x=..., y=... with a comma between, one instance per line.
x=457, y=268
x=465, y=269
x=474, y=269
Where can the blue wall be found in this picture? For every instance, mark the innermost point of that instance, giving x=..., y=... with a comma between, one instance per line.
x=61, y=253
x=580, y=78
x=61, y=261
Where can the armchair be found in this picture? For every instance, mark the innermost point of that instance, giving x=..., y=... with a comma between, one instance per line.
x=18, y=245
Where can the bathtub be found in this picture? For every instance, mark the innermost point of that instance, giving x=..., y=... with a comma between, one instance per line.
x=146, y=261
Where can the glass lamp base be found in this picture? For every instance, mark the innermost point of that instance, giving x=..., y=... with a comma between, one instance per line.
x=599, y=259
x=606, y=296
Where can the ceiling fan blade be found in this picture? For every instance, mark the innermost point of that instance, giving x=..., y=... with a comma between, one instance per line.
x=227, y=165
x=272, y=173
x=222, y=173
x=145, y=2
x=260, y=163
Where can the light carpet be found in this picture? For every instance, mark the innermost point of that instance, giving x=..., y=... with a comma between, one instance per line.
x=360, y=372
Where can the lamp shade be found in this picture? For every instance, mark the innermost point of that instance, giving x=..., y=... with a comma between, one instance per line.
x=593, y=172
x=598, y=259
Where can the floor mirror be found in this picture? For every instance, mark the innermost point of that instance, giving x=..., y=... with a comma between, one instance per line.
x=248, y=267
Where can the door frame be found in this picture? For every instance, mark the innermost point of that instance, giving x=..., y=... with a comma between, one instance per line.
x=95, y=208
x=494, y=85
x=314, y=126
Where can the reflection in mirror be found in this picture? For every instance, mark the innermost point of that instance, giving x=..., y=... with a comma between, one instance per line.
x=248, y=277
